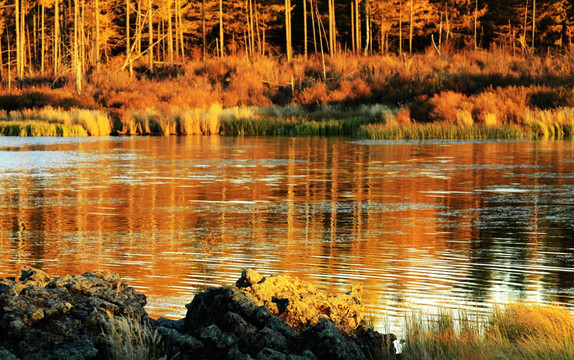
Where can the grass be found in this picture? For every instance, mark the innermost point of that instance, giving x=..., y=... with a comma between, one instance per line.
x=445, y=131
x=132, y=339
x=39, y=128
x=514, y=331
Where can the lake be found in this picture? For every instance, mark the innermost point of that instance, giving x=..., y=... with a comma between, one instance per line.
x=420, y=224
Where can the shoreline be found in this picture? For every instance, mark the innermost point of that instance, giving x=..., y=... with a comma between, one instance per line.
x=97, y=315
x=462, y=95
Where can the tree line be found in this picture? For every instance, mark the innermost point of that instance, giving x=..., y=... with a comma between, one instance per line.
x=56, y=36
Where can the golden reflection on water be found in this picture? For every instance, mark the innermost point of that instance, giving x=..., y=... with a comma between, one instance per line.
x=416, y=223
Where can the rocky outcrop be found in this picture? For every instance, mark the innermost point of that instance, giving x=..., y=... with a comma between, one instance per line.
x=97, y=316
x=63, y=318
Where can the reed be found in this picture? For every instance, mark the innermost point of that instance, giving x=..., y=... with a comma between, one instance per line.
x=39, y=128
x=444, y=131
x=513, y=331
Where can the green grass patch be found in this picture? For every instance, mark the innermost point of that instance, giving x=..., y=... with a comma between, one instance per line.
x=292, y=126
x=449, y=131
x=39, y=128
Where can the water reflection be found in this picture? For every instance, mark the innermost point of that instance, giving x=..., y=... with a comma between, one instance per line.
x=418, y=223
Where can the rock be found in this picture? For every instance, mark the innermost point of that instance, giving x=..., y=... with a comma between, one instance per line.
x=31, y=274
x=300, y=304
x=180, y=346
x=63, y=318
x=306, y=355
x=97, y=316
x=7, y=355
x=326, y=341
x=270, y=354
x=248, y=277
x=373, y=343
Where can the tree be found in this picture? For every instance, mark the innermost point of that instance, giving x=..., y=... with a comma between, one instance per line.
x=288, y=29
x=76, y=57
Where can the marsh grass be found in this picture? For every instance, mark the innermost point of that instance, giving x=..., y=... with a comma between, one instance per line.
x=132, y=339
x=444, y=130
x=514, y=331
x=39, y=128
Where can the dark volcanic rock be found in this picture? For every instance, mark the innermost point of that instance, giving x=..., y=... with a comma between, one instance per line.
x=63, y=318
x=97, y=316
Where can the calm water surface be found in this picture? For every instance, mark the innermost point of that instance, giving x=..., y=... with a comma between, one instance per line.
x=420, y=224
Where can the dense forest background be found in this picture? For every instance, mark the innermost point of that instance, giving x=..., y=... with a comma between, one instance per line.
x=53, y=36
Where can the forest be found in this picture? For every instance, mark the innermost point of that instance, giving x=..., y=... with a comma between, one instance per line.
x=428, y=60
x=40, y=36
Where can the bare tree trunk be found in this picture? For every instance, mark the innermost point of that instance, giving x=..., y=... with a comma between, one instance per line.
x=524, y=29
x=76, y=59
x=18, y=35
x=358, y=37
x=150, y=33
x=34, y=60
x=43, y=48
x=368, y=26
x=411, y=29
x=353, y=43
x=305, y=40
x=56, y=46
x=203, y=43
x=288, y=29
x=169, y=31
x=475, y=24
x=400, y=27
x=138, y=38
x=9, y=60
x=383, y=47
x=22, y=37
x=83, y=35
x=1, y=59
x=221, y=47
x=313, y=25
x=179, y=19
x=128, y=43
x=260, y=46
x=320, y=25
x=447, y=23
x=251, y=28
x=533, y=23
x=332, y=41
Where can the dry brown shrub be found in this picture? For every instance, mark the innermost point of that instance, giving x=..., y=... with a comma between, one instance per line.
x=403, y=117
x=350, y=90
x=129, y=99
x=508, y=105
x=315, y=94
x=451, y=107
x=246, y=88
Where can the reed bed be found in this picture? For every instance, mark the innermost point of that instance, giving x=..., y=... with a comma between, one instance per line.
x=36, y=128
x=444, y=131
x=514, y=331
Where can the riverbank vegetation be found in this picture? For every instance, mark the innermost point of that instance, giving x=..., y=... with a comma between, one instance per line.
x=439, y=69
x=472, y=95
x=513, y=331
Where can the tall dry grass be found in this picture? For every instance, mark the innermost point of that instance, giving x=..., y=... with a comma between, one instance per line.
x=132, y=339
x=514, y=331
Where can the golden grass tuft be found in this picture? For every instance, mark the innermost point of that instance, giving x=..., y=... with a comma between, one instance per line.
x=131, y=339
x=514, y=331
